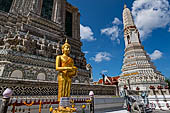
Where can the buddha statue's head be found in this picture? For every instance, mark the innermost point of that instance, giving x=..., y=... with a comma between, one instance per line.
x=66, y=48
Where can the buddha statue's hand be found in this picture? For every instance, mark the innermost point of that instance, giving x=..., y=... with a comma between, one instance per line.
x=73, y=72
x=69, y=69
x=75, y=68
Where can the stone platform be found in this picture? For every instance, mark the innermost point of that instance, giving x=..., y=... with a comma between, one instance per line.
x=23, y=87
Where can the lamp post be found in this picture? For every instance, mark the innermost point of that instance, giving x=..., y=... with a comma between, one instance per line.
x=5, y=100
x=91, y=94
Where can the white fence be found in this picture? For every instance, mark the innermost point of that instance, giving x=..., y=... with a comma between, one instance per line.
x=161, y=102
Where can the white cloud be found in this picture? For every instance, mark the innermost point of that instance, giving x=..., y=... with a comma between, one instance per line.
x=85, y=52
x=116, y=21
x=156, y=55
x=104, y=71
x=150, y=14
x=169, y=30
x=118, y=41
x=86, y=33
x=101, y=56
x=113, y=31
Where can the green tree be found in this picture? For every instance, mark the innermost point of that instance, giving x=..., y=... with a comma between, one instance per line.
x=167, y=80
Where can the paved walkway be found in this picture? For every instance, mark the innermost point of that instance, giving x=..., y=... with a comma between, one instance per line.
x=124, y=111
x=121, y=111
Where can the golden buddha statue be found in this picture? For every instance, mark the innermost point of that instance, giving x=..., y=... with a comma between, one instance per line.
x=66, y=70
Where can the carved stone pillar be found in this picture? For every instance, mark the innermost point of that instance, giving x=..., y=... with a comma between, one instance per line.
x=58, y=11
x=55, y=10
x=151, y=92
x=23, y=7
x=76, y=24
x=167, y=91
x=37, y=6
x=63, y=13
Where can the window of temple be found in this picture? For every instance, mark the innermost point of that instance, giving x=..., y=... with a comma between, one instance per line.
x=76, y=81
x=90, y=75
x=47, y=8
x=68, y=24
x=5, y=5
x=17, y=74
x=139, y=37
x=86, y=81
x=156, y=77
x=41, y=76
x=128, y=38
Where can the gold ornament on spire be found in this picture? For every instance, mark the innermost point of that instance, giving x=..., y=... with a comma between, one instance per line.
x=125, y=6
x=66, y=44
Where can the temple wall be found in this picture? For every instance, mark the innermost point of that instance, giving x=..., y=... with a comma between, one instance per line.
x=29, y=43
x=44, y=88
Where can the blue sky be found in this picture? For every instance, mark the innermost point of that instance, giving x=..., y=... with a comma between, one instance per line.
x=102, y=32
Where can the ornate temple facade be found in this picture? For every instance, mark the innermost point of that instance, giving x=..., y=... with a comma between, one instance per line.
x=137, y=70
x=31, y=35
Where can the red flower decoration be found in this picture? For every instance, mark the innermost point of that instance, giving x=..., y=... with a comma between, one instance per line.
x=152, y=87
x=160, y=87
x=137, y=88
x=166, y=87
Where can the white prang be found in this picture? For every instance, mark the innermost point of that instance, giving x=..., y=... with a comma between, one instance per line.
x=137, y=69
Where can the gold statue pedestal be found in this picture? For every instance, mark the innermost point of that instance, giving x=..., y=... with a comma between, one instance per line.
x=64, y=106
x=72, y=110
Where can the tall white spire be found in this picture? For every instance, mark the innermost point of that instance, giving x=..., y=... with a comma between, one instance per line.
x=127, y=17
x=137, y=69
x=131, y=34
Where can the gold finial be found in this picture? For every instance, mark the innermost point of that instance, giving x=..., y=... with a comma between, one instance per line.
x=66, y=44
x=66, y=41
x=125, y=6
